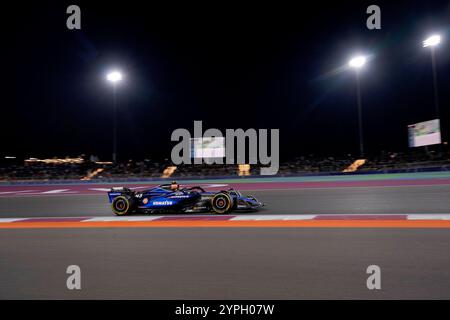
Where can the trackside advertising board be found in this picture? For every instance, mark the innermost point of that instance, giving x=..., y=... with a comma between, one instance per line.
x=424, y=133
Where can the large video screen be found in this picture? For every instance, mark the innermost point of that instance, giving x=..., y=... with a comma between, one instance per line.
x=208, y=147
x=424, y=133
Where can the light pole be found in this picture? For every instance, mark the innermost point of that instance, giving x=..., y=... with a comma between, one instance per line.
x=114, y=77
x=357, y=63
x=432, y=42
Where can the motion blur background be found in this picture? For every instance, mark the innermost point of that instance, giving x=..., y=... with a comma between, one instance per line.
x=271, y=65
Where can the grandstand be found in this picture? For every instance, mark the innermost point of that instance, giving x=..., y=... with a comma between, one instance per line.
x=81, y=168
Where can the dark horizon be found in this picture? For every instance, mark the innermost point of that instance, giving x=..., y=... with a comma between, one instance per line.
x=261, y=67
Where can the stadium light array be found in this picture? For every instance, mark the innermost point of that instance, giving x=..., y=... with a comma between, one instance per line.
x=357, y=62
x=432, y=41
x=114, y=76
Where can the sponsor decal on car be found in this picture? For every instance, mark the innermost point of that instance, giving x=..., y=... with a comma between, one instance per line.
x=162, y=203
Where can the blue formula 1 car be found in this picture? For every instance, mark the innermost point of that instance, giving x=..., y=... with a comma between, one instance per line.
x=172, y=198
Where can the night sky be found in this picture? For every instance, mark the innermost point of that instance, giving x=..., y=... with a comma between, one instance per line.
x=259, y=65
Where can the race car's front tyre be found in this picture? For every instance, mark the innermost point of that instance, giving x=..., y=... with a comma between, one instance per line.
x=122, y=205
x=222, y=203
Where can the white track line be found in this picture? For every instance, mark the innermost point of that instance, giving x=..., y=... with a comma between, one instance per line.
x=439, y=216
x=5, y=220
x=254, y=217
x=274, y=217
x=108, y=219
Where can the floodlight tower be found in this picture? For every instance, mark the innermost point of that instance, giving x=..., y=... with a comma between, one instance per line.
x=114, y=77
x=357, y=63
x=432, y=42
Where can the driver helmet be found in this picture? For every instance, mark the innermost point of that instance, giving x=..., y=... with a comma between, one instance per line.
x=174, y=186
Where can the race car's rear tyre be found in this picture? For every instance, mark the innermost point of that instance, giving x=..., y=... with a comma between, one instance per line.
x=222, y=203
x=122, y=205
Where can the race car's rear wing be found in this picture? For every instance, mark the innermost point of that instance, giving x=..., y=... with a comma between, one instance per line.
x=118, y=191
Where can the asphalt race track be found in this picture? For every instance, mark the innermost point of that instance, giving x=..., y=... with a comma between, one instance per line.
x=232, y=263
x=227, y=263
x=347, y=200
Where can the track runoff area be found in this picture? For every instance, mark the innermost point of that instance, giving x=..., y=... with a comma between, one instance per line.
x=314, y=239
x=420, y=200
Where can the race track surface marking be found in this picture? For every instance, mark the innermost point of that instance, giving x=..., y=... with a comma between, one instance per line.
x=234, y=221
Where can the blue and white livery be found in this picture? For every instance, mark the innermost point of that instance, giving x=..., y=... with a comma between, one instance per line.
x=172, y=198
